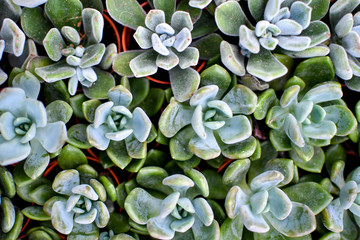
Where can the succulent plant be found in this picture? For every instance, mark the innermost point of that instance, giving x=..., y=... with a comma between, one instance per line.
x=80, y=203
x=12, y=40
x=166, y=39
x=261, y=204
x=201, y=4
x=180, y=212
x=344, y=49
x=170, y=42
x=113, y=122
x=111, y=236
x=336, y=216
x=29, y=3
x=217, y=125
x=300, y=123
x=42, y=232
x=11, y=220
x=76, y=60
x=26, y=132
x=285, y=25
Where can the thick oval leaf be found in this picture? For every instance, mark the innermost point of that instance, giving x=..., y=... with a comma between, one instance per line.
x=184, y=83
x=36, y=213
x=64, y=13
x=232, y=58
x=139, y=202
x=119, y=10
x=29, y=18
x=265, y=66
x=343, y=118
x=230, y=10
x=300, y=222
x=241, y=100
x=300, y=193
x=99, y=89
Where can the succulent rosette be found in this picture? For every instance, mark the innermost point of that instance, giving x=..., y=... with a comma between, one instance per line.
x=340, y=214
x=261, y=205
x=313, y=119
x=215, y=125
x=80, y=203
x=165, y=35
x=169, y=41
x=288, y=26
x=76, y=60
x=181, y=213
x=344, y=48
x=115, y=124
x=26, y=132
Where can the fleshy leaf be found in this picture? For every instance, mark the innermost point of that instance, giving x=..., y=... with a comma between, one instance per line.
x=206, y=148
x=184, y=82
x=65, y=181
x=93, y=55
x=344, y=124
x=9, y=157
x=236, y=129
x=37, y=161
x=93, y=25
x=61, y=219
x=139, y=202
x=271, y=70
x=13, y=36
x=169, y=124
x=301, y=218
x=144, y=64
x=226, y=11
x=56, y=72
x=280, y=204
x=53, y=136
x=232, y=58
x=253, y=222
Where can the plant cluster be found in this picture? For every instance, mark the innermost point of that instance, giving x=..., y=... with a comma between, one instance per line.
x=179, y=119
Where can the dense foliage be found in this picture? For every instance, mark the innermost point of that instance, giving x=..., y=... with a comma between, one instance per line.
x=180, y=119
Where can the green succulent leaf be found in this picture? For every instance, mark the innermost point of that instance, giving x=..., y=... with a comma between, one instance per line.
x=13, y=36
x=315, y=164
x=71, y=157
x=230, y=10
x=240, y=150
x=139, y=202
x=241, y=100
x=119, y=10
x=93, y=25
x=167, y=6
x=37, y=32
x=99, y=90
x=122, y=60
x=302, y=221
x=179, y=144
x=144, y=64
x=232, y=58
x=300, y=192
x=117, y=152
x=36, y=213
x=267, y=72
x=64, y=13
x=184, y=83
x=56, y=72
x=208, y=46
x=344, y=124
